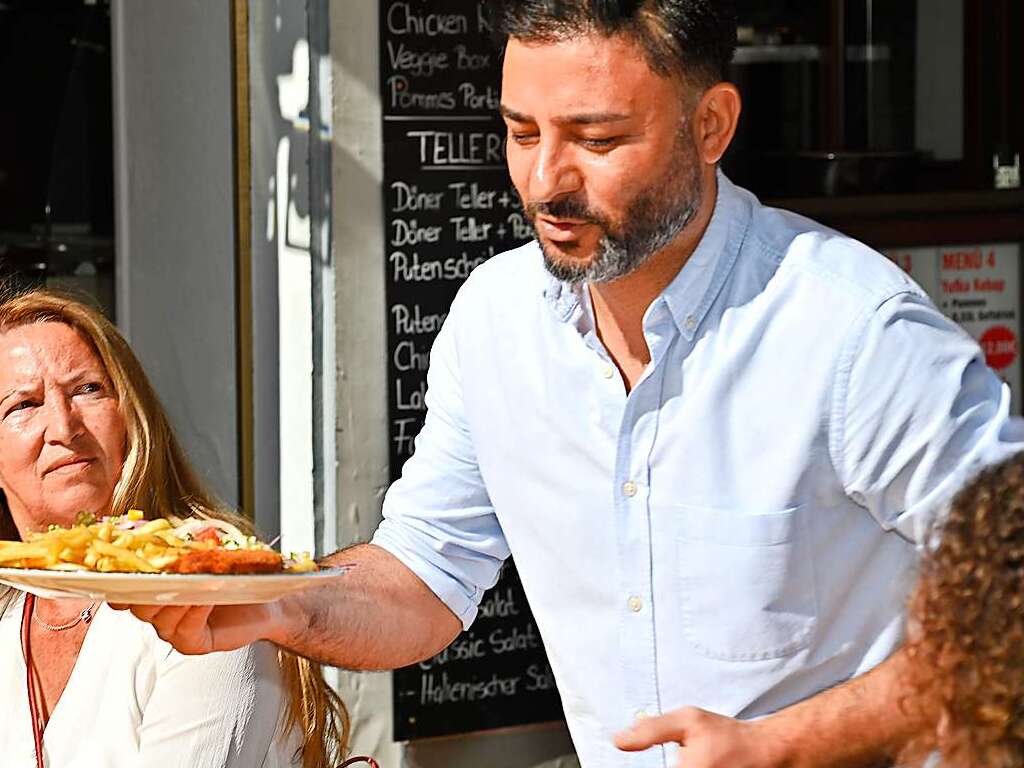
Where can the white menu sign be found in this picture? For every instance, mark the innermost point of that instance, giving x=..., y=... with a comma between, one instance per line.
x=977, y=286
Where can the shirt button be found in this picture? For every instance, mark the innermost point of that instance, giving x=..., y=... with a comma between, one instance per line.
x=639, y=714
x=629, y=488
x=607, y=371
x=691, y=323
x=635, y=604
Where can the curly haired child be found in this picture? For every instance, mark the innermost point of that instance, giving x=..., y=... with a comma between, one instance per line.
x=966, y=646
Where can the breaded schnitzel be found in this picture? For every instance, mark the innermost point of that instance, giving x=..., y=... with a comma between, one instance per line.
x=228, y=561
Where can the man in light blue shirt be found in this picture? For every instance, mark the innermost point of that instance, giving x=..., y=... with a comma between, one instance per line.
x=710, y=433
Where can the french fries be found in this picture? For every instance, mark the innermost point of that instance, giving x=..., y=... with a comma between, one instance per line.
x=100, y=547
x=131, y=544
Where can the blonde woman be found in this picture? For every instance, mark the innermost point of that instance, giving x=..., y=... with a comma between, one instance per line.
x=81, y=429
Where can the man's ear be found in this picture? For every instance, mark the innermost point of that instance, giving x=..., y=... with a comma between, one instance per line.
x=715, y=119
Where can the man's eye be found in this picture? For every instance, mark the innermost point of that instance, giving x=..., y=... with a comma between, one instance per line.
x=523, y=138
x=599, y=143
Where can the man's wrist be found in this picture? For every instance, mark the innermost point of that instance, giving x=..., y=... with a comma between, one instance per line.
x=280, y=621
x=781, y=741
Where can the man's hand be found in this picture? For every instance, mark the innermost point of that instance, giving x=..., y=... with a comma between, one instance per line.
x=193, y=629
x=380, y=615
x=859, y=724
x=706, y=740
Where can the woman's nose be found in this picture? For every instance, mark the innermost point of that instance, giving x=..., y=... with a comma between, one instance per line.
x=63, y=422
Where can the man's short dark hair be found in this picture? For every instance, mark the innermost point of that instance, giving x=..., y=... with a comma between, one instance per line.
x=694, y=39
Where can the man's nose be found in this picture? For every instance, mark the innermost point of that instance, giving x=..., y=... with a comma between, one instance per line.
x=554, y=173
x=63, y=422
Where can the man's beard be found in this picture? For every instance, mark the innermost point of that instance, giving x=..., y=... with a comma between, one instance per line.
x=653, y=220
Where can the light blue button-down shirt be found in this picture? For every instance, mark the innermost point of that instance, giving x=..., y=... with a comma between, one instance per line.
x=735, y=533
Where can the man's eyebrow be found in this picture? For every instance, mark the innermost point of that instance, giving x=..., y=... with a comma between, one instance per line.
x=584, y=118
x=511, y=114
x=590, y=118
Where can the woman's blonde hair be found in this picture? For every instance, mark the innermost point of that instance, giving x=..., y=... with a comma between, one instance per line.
x=158, y=478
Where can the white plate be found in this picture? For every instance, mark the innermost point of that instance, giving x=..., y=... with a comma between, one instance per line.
x=166, y=588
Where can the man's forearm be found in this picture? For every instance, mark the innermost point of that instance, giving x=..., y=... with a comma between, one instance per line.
x=863, y=722
x=380, y=615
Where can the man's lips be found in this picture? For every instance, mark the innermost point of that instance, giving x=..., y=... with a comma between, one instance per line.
x=560, y=230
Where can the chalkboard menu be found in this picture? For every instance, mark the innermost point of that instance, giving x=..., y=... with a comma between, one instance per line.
x=448, y=206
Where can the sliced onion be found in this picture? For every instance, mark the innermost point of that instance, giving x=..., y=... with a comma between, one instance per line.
x=230, y=535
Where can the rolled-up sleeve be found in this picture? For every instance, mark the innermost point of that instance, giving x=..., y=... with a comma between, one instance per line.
x=916, y=413
x=438, y=518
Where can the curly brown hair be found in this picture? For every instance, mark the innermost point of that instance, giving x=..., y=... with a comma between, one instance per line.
x=966, y=646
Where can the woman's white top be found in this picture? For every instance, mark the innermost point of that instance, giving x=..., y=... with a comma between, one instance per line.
x=132, y=700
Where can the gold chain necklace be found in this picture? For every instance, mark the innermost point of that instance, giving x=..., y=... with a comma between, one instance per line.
x=85, y=615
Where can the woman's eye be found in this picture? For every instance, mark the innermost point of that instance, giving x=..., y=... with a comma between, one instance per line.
x=21, y=405
x=90, y=388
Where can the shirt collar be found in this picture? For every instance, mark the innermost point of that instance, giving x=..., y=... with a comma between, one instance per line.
x=564, y=298
x=690, y=294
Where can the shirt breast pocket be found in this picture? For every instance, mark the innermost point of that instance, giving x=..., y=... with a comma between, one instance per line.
x=747, y=582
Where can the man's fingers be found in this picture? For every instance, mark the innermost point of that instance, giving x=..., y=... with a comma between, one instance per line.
x=651, y=731
x=233, y=626
x=194, y=620
x=183, y=626
x=194, y=629
x=675, y=726
x=191, y=634
x=141, y=612
x=166, y=620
